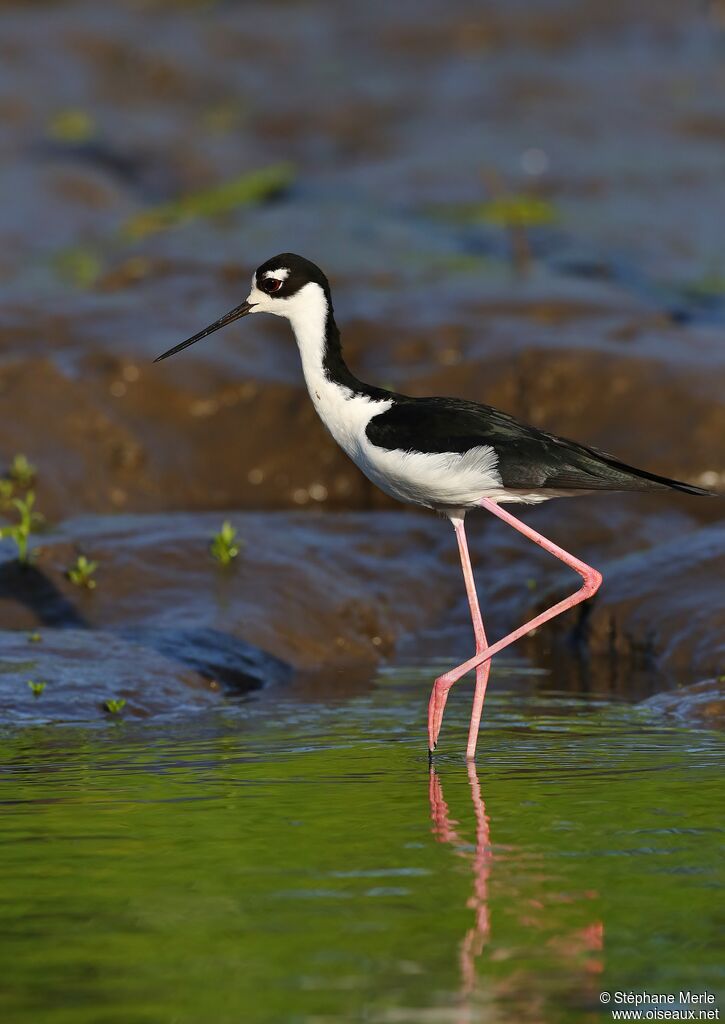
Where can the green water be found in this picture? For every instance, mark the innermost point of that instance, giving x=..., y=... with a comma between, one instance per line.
x=281, y=860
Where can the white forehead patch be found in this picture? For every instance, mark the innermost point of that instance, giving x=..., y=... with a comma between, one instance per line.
x=279, y=275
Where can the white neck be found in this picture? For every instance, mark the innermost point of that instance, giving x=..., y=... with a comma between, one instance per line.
x=341, y=407
x=307, y=312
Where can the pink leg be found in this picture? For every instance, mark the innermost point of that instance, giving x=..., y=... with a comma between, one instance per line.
x=592, y=581
x=439, y=694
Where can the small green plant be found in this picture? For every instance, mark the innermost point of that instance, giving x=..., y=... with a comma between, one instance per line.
x=36, y=688
x=114, y=705
x=520, y=210
x=82, y=572
x=34, y=637
x=7, y=490
x=248, y=190
x=224, y=545
x=72, y=125
x=27, y=521
x=22, y=471
x=78, y=265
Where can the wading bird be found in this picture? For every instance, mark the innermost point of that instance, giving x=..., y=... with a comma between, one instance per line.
x=445, y=454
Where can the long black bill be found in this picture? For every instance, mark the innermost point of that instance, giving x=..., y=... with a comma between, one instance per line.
x=230, y=317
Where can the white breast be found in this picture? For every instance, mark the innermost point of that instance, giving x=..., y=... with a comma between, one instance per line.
x=438, y=480
x=435, y=480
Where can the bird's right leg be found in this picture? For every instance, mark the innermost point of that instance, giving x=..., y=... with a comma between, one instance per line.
x=591, y=583
x=439, y=693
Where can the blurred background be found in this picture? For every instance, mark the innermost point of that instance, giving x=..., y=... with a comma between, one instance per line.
x=520, y=203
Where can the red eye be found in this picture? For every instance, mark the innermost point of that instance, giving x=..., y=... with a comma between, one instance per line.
x=270, y=285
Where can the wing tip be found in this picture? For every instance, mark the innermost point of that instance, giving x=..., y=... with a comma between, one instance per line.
x=700, y=492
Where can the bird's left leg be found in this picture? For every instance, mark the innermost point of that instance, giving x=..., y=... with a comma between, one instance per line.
x=439, y=693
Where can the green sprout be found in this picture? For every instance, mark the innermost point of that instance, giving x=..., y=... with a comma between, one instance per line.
x=34, y=637
x=224, y=545
x=36, y=688
x=517, y=213
x=22, y=471
x=72, y=125
x=6, y=493
x=20, y=531
x=114, y=705
x=81, y=573
x=520, y=210
x=247, y=190
x=78, y=265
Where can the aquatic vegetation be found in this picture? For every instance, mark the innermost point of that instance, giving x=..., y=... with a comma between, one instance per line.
x=517, y=213
x=72, y=125
x=224, y=546
x=21, y=474
x=22, y=471
x=114, y=705
x=81, y=573
x=710, y=285
x=36, y=688
x=247, y=190
x=506, y=210
x=20, y=532
x=516, y=210
x=78, y=266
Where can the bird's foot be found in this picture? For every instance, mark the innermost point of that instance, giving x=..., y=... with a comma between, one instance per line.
x=439, y=697
x=436, y=707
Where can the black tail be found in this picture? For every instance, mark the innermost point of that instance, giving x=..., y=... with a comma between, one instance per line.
x=592, y=469
x=677, y=485
x=640, y=479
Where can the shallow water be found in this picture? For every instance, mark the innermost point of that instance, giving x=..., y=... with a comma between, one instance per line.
x=285, y=860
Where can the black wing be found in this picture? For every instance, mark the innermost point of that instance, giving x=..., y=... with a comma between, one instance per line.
x=528, y=458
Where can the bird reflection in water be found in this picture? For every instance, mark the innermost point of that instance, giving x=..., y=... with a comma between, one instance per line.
x=581, y=948
x=443, y=829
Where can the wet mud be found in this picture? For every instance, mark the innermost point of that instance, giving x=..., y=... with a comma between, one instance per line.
x=701, y=704
x=306, y=597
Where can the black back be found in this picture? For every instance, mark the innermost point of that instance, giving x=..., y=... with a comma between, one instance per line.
x=528, y=458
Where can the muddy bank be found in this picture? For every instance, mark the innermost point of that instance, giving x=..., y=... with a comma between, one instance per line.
x=76, y=672
x=662, y=608
x=611, y=334
x=307, y=595
x=325, y=597
x=188, y=435
x=702, y=704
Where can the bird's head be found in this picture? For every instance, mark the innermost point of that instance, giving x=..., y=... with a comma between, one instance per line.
x=287, y=285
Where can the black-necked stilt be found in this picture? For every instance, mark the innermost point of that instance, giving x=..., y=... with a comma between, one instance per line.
x=445, y=454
